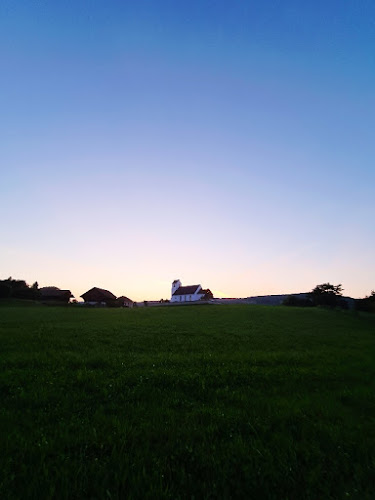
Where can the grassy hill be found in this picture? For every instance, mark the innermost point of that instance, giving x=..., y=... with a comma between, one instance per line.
x=197, y=402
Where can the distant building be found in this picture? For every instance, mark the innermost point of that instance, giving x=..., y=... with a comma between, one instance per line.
x=189, y=293
x=124, y=302
x=99, y=296
x=54, y=294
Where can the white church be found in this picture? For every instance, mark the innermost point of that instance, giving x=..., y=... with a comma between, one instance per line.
x=189, y=293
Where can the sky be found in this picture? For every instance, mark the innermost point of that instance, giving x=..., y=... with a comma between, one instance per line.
x=227, y=144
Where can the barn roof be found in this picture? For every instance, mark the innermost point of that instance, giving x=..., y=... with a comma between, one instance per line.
x=51, y=291
x=98, y=292
x=124, y=298
x=186, y=290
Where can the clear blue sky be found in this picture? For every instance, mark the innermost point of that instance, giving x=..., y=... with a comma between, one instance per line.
x=224, y=143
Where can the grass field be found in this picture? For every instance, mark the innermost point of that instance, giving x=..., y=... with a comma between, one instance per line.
x=187, y=402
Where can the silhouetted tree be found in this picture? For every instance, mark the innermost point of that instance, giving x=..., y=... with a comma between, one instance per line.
x=18, y=289
x=367, y=304
x=327, y=295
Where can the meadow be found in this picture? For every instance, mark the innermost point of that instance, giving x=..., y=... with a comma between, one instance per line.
x=231, y=402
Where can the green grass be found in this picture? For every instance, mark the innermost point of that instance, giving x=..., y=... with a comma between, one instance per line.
x=195, y=402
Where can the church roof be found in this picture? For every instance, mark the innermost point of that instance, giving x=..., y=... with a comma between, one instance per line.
x=186, y=290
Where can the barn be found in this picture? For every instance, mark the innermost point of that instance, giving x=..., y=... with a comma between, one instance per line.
x=99, y=296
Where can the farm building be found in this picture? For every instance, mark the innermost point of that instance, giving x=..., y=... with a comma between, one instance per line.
x=54, y=294
x=124, y=302
x=97, y=296
x=189, y=293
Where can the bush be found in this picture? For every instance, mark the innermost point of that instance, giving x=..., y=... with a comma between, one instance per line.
x=367, y=304
x=5, y=291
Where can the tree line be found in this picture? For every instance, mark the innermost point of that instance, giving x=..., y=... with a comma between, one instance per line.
x=18, y=289
x=328, y=295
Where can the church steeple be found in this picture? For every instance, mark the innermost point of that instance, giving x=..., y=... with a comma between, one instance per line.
x=175, y=285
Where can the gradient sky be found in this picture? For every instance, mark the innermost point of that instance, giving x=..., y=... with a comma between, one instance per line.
x=224, y=143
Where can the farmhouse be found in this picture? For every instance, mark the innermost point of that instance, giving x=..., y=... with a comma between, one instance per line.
x=189, y=293
x=97, y=296
x=124, y=302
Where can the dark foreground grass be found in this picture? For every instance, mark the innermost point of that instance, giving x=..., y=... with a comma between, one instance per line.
x=194, y=402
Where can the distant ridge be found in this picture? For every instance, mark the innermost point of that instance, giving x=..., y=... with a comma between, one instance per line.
x=273, y=300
